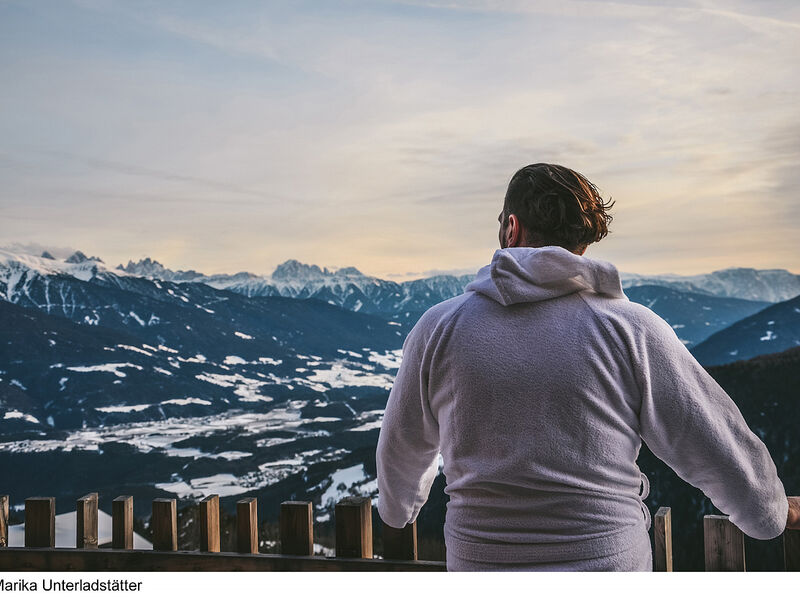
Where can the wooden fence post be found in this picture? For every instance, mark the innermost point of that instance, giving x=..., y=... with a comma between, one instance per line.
x=297, y=528
x=724, y=544
x=86, y=526
x=40, y=522
x=165, y=524
x=122, y=523
x=247, y=526
x=209, y=524
x=400, y=544
x=791, y=549
x=3, y=521
x=662, y=551
x=354, y=528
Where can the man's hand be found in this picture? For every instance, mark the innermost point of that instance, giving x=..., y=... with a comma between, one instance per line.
x=793, y=521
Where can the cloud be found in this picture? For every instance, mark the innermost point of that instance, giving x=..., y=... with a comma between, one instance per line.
x=383, y=136
x=37, y=249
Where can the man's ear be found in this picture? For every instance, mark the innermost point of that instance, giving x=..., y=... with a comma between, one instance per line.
x=514, y=232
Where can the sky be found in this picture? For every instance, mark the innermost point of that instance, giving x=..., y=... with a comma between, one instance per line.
x=231, y=136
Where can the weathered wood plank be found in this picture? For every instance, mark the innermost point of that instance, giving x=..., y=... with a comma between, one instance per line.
x=354, y=528
x=400, y=544
x=63, y=559
x=297, y=528
x=791, y=549
x=165, y=524
x=724, y=544
x=40, y=522
x=3, y=521
x=247, y=526
x=86, y=530
x=209, y=524
x=662, y=550
x=122, y=523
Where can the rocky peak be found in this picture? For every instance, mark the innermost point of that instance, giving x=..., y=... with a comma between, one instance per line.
x=294, y=269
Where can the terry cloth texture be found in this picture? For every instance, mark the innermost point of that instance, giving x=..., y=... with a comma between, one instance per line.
x=537, y=386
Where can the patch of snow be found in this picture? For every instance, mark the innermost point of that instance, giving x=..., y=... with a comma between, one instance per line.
x=269, y=361
x=234, y=360
x=108, y=368
x=245, y=388
x=223, y=484
x=162, y=371
x=134, y=349
x=123, y=409
x=368, y=426
x=345, y=482
x=15, y=414
x=185, y=401
x=339, y=375
x=197, y=358
x=244, y=336
x=388, y=360
x=136, y=317
x=769, y=336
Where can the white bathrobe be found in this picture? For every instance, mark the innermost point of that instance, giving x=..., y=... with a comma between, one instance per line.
x=537, y=386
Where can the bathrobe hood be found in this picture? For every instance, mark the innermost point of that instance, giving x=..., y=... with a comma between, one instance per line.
x=523, y=274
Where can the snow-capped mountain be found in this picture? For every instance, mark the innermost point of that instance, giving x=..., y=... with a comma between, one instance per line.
x=346, y=287
x=763, y=285
x=774, y=329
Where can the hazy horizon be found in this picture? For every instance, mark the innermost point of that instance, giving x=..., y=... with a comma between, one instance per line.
x=382, y=134
x=61, y=253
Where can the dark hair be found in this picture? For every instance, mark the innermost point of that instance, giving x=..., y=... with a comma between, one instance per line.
x=557, y=206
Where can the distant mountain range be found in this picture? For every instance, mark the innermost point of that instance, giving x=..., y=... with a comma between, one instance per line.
x=763, y=285
x=347, y=287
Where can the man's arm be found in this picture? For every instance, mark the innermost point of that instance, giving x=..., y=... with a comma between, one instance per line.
x=408, y=445
x=690, y=423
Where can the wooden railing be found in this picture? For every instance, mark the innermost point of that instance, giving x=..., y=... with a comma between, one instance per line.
x=353, y=522
x=724, y=542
